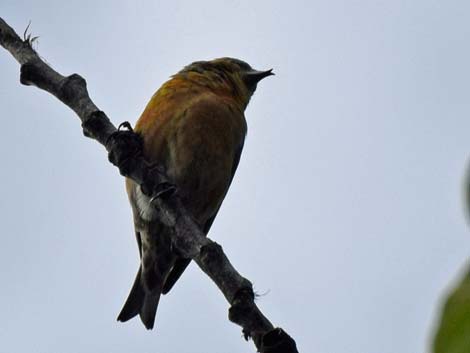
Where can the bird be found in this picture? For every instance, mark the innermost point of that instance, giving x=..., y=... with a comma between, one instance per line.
x=194, y=127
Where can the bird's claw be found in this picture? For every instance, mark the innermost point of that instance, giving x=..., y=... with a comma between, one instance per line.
x=163, y=190
x=125, y=125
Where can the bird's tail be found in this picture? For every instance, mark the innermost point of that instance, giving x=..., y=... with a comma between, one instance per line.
x=141, y=302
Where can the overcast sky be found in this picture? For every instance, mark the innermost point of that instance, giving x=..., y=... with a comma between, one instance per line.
x=346, y=210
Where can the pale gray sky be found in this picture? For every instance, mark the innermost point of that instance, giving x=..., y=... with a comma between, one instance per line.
x=345, y=210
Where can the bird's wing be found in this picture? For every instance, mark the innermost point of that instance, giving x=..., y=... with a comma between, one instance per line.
x=181, y=263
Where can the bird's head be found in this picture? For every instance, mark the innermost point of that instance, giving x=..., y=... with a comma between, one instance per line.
x=227, y=76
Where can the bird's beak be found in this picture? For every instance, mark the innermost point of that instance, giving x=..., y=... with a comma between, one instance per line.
x=252, y=77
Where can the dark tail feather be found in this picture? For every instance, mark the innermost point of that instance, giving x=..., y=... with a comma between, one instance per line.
x=149, y=309
x=134, y=301
x=140, y=302
x=175, y=273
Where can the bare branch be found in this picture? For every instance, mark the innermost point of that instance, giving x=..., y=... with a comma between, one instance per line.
x=124, y=148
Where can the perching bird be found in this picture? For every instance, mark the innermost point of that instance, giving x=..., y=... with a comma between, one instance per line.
x=194, y=126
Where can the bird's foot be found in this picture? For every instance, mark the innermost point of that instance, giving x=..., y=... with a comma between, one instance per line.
x=124, y=147
x=163, y=187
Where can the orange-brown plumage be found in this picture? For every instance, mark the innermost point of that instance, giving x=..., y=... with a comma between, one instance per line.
x=194, y=126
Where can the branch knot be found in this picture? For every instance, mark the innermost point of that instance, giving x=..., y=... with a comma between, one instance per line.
x=29, y=74
x=70, y=86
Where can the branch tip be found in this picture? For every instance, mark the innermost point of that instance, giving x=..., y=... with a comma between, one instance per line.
x=278, y=341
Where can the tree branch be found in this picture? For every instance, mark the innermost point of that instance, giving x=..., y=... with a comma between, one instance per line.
x=125, y=151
